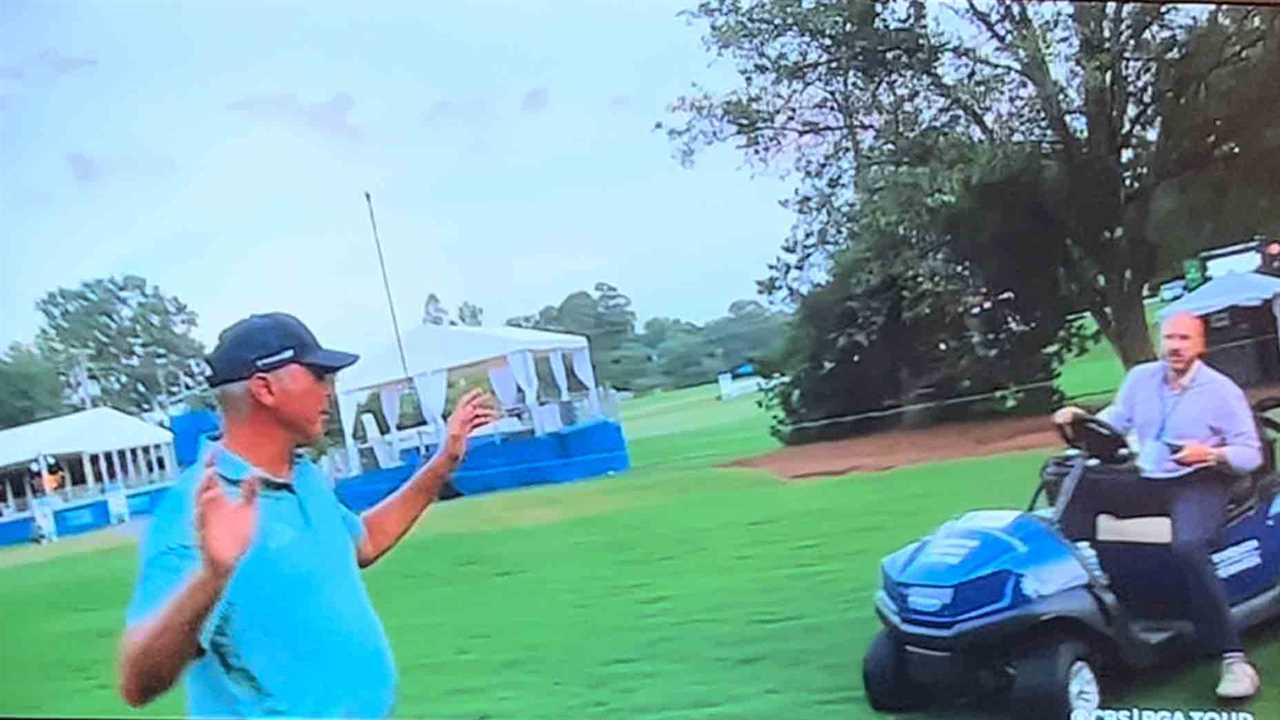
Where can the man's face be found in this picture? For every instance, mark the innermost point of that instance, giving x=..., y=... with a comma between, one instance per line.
x=1182, y=338
x=300, y=401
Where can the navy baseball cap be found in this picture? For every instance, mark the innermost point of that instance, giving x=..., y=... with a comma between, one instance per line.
x=262, y=343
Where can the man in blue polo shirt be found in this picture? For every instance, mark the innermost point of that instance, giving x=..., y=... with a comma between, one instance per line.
x=1194, y=428
x=250, y=572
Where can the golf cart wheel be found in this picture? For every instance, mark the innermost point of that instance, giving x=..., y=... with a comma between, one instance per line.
x=1053, y=680
x=884, y=677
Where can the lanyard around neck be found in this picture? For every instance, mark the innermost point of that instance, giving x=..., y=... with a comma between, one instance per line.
x=1167, y=407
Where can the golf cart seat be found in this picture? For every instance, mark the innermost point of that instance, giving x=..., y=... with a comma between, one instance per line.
x=1148, y=522
x=1245, y=490
x=1110, y=503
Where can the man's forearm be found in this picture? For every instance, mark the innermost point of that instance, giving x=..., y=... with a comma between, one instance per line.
x=153, y=654
x=1241, y=459
x=1114, y=416
x=389, y=520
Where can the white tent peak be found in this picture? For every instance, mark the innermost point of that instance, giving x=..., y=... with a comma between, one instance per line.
x=430, y=348
x=431, y=351
x=100, y=429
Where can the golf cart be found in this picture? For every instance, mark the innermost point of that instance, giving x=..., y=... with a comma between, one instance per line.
x=1044, y=604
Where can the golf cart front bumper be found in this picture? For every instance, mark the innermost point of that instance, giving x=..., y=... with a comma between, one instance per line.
x=968, y=657
x=942, y=653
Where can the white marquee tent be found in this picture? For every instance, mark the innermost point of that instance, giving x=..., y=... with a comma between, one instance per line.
x=1243, y=289
x=1248, y=289
x=431, y=351
x=121, y=442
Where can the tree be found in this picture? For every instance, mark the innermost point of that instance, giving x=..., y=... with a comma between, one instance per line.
x=750, y=332
x=548, y=318
x=656, y=330
x=132, y=339
x=607, y=320
x=629, y=367
x=30, y=388
x=470, y=314
x=1228, y=134
x=669, y=353
x=615, y=320
x=861, y=344
x=434, y=312
x=1120, y=104
x=579, y=313
x=687, y=357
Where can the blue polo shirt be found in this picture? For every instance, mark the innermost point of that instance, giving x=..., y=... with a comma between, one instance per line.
x=294, y=632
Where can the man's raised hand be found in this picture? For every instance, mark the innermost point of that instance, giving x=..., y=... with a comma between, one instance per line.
x=226, y=527
x=473, y=411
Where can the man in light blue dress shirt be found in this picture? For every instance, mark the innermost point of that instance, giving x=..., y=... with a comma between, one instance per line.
x=1194, y=429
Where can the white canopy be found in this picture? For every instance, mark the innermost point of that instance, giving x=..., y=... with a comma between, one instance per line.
x=430, y=348
x=430, y=351
x=1232, y=289
x=101, y=429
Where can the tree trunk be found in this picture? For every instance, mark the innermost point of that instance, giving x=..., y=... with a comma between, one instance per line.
x=1126, y=328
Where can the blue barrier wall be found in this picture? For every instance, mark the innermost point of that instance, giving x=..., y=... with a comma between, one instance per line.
x=82, y=518
x=501, y=464
x=17, y=531
x=492, y=464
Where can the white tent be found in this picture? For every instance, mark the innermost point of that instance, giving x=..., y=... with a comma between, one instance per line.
x=441, y=347
x=122, y=443
x=1249, y=289
x=431, y=351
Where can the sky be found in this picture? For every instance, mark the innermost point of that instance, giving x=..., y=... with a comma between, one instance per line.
x=222, y=151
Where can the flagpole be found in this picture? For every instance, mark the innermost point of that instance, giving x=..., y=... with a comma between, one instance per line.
x=395, y=324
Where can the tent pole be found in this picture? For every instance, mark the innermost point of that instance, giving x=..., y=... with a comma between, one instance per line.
x=88, y=471
x=44, y=470
x=133, y=465
x=170, y=464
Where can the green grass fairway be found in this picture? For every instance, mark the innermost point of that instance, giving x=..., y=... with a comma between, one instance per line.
x=691, y=427
x=676, y=590
x=1094, y=376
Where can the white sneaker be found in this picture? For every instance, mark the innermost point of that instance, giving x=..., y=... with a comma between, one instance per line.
x=1239, y=680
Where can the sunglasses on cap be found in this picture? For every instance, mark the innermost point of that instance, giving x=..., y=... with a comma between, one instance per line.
x=322, y=375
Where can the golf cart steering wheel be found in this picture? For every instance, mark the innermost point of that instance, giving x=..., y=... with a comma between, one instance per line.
x=1097, y=439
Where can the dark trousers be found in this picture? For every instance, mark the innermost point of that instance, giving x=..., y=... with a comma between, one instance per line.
x=1197, y=506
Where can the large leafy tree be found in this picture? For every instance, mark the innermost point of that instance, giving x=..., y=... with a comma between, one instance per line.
x=1126, y=108
x=906, y=315
x=129, y=338
x=30, y=388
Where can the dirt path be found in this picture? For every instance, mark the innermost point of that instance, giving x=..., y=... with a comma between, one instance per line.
x=896, y=448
